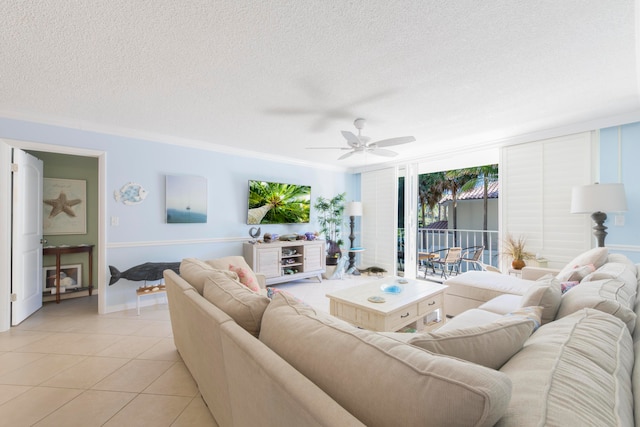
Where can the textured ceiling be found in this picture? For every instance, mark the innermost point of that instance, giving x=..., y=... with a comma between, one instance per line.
x=278, y=76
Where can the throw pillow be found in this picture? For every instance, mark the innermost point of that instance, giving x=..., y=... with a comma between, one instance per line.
x=576, y=273
x=490, y=345
x=533, y=314
x=566, y=286
x=245, y=277
x=544, y=292
x=195, y=272
x=240, y=303
x=235, y=260
x=609, y=295
x=595, y=256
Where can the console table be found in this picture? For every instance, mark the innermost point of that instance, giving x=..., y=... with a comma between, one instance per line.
x=284, y=261
x=62, y=250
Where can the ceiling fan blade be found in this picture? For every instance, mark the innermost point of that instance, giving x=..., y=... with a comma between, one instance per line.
x=328, y=148
x=351, y=138
x=344, y=156
x=292, y=111
x=383, y=152
x=393, y=141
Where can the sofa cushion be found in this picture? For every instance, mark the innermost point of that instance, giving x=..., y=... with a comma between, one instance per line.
x=595, y=256
x=576, y=274
x=615, y=270
x=489, y=345
x=239, y=265
x=503, y=304
x=382, y=381
x=195, y=272
x=623, y=259
x=544, y=292
x=481, y=286
x=574, y=371
x=240, y=303
x=609, y=295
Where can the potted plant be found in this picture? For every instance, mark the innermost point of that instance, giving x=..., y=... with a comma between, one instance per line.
x=330, y=212
x=514, y=248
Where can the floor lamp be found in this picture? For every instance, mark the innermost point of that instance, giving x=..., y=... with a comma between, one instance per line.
x=354, y=209
x=596, y=199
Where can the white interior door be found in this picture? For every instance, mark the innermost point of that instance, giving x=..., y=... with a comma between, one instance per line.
x=26, y=265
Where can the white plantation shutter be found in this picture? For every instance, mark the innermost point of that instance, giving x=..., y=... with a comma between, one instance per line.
x=379, y=219
x=535, y=195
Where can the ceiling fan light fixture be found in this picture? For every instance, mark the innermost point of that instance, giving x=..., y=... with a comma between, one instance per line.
x=361, y=144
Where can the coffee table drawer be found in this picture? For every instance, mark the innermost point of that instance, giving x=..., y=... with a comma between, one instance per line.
x=400, y=318
x=430, y=304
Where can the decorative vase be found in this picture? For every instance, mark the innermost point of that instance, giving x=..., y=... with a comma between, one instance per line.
x=517, y=264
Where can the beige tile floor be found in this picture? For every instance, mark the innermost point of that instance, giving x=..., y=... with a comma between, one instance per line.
x=68, y=366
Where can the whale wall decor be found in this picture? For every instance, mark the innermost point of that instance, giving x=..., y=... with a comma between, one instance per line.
x=147, y=271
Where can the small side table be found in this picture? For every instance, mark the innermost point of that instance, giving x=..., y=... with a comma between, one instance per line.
x=61, y=250
x=149, y=290
x=514, y=272
x=428, y=257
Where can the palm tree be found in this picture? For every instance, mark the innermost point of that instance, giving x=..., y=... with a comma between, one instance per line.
x=430, y=189
x=455, y=179
x=274, y=203
x=486, y=174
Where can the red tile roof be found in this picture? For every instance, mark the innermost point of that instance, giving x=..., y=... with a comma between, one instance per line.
x=476, y=193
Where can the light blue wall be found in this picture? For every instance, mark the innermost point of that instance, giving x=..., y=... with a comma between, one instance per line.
x=148, y=163
x=619, y=155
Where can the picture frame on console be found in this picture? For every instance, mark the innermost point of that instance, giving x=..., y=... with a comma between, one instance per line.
x=70, y=277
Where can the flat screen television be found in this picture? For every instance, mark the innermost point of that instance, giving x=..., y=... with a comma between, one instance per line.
x=278, y=203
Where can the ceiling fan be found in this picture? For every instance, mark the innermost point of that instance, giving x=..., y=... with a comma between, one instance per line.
x=362, y=144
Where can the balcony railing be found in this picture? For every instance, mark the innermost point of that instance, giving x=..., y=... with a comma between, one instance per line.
x=429, y=240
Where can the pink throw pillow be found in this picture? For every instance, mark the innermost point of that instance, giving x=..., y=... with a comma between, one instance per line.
x=245, y=278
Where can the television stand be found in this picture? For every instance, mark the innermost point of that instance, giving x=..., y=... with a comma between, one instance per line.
x=284, y=261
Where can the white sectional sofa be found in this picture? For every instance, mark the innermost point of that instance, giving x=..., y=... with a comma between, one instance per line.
x=279, y=362
x=578, y=368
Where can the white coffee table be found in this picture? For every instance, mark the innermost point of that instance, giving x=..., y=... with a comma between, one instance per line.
x=417, y=300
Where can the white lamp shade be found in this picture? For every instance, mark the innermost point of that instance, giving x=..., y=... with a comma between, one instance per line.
x=354, y=209
x=598, y=198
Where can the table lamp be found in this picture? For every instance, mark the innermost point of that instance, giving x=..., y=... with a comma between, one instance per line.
x=354, y=209
x=596, y=199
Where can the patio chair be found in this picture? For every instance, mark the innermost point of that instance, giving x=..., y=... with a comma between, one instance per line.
x=449, y=262
x=472, y=257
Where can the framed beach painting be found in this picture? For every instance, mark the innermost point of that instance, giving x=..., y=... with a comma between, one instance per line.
x=65, y=206
x=186, y=199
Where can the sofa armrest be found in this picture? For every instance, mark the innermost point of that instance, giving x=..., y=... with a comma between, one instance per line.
x=534, y=273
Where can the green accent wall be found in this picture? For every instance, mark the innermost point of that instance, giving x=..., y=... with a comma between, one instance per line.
x=75, y=167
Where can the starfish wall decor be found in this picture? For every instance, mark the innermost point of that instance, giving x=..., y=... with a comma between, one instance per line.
x=62, y=204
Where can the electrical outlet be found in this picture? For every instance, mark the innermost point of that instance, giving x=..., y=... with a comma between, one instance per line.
x=619, y=220
x=115, y=221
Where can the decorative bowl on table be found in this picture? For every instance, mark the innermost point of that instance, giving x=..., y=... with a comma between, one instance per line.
x=394, y=287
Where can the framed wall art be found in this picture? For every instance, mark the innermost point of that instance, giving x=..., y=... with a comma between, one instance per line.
x=65, y=206
x=186, y=199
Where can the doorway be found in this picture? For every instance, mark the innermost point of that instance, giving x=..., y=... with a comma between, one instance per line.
x=5, y=220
